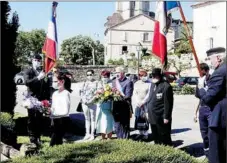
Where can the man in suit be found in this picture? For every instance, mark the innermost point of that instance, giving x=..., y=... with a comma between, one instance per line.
x=160, y=106
x=40, y=89
x=122, y=110
x=215, y=97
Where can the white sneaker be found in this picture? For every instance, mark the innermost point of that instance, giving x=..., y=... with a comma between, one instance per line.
x=87, y=137
x=92, y=137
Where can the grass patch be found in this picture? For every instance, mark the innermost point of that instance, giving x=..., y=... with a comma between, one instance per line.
x=110, y=151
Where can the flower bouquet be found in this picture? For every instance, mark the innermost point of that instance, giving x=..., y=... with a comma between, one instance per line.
x=107, y=94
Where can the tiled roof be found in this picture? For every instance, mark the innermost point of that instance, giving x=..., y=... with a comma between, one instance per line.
x=116, y=18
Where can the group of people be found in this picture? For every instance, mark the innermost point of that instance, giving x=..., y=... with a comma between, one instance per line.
x=150, y=99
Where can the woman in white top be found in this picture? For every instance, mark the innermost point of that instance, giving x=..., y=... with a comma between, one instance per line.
x=87, y=93
x=60, y=107
x=140, y=98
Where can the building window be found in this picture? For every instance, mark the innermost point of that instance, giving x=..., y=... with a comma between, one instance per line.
x=124, y=49
x=124, y=36
x=132, y=8
x=211, y=42
x=146, y=37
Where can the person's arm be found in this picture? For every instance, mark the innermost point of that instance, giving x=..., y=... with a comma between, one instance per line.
x=196, y=112
x=27, y=80
x=129, y=90
x=215, y=85
x=168, y=102
x=146, y=99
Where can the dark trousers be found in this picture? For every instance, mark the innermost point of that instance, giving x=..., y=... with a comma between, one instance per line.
x=162, y=133
x=58, y=131
x=34, y=125
x=217, y=133
x=204, y=115
x=122, y=130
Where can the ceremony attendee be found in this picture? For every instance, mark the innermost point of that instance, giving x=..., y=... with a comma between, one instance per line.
x=105, y=120
x=60, y=107
x=87, y=92
x=40, y=89
x=204, y=110
x=140, y=98
x=122, y=110
x=215, y=97
x=160, y=106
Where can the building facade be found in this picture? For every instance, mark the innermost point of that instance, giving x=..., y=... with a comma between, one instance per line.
x=209, y=26
x=131, y=24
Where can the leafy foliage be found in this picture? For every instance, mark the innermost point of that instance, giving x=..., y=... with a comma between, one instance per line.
x=27, y=43
x=116, y=62
x=113, y=151
x=78, y=50
x=9, y=35
x=187, y=89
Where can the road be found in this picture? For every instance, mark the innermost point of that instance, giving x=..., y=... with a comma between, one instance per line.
x=185, y=133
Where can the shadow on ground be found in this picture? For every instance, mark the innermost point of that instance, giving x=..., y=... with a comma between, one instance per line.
x=180, y=130
x=195, y=150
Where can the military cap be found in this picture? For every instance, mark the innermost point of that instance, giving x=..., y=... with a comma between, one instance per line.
x=156, y=72
x=37, y=56
x=215, y=51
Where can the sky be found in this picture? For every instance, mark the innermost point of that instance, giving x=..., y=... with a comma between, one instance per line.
x=73, y=18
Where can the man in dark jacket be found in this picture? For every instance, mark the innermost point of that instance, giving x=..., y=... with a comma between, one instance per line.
x=40, y=89
x=160, y=106
x=215, y=97
x=204, y=110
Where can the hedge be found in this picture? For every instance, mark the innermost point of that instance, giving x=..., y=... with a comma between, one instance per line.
x=109, y=151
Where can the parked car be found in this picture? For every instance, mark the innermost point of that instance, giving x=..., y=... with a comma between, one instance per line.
x=191, y=80
x=19, y=78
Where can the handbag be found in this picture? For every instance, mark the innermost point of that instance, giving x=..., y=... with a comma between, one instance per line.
x=141, y=123
x=79, y=107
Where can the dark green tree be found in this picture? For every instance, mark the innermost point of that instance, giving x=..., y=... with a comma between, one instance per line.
x=78, y=50
x=9, y=36
x=29, y=43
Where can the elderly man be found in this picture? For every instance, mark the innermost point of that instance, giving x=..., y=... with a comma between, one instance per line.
x=215, y=97
x=122, y=110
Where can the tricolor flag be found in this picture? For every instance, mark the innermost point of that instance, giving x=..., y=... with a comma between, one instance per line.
x=162, y=24
x=50, y=48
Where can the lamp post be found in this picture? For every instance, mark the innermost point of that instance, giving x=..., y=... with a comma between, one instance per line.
x=138, y=49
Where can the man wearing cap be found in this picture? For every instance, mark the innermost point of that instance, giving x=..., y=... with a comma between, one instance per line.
x=215, y=97
x=122, y=109
x=160, y=106
x=40, y=89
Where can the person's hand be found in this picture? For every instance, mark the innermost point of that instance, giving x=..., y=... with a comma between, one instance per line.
x=166, y=121
x=41, y=75
x=195, y=118
x=201, y=81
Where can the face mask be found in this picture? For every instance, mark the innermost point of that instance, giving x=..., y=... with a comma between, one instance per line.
x=144, y=78
x=35, y=64
x=105, y=80
x=89, y=78
x=155, y=80
x=55, y=85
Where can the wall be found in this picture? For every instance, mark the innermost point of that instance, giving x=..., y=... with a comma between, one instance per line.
x=79, y=72
x=209, y=21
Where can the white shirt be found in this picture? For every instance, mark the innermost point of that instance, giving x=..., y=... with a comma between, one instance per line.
x=60, y=104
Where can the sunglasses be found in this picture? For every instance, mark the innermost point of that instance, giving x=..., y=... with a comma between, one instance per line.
x=89, y=74
x=37, y=60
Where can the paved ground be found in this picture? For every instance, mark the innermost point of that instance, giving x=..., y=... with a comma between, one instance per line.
x=185, y=133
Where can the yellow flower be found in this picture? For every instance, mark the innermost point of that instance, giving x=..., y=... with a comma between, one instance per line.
x=107, y=93
x=108, y=87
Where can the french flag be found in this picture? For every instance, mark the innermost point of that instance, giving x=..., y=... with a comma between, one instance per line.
x=50, y=48
x=162, y=24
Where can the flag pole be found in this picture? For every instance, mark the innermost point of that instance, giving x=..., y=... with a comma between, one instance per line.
x=189, y=38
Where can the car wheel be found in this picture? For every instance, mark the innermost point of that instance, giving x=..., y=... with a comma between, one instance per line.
x=19, y=81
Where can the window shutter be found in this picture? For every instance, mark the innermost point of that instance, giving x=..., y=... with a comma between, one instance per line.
x=142, y=36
